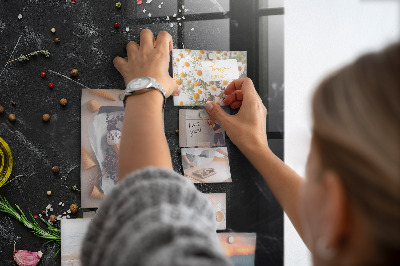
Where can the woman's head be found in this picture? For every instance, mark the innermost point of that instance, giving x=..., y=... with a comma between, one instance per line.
x=354, y=166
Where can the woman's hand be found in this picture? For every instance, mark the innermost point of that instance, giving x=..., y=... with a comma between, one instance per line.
x=247, y=129
x=192, y=164
x=150, y=59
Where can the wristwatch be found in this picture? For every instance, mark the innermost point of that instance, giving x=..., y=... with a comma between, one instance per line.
x=141, y=85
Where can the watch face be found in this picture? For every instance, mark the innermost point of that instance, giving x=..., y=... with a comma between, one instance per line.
x=140, y=83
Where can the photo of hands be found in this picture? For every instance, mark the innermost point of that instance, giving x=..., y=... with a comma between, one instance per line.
x=206, y=165
x=198, y=129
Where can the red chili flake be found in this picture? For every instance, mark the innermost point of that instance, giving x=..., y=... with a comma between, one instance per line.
x=139, y=2
x=43, y=74
x=35, y=216
x=73, y=1
x=51, y=85
x=116, y=25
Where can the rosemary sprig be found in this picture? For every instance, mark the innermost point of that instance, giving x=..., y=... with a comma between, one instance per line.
x=22, y=58
x=52, y=233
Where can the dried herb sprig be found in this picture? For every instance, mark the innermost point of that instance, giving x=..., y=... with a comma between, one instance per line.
x=52, y=232
x=75, y=188
x=26, y=57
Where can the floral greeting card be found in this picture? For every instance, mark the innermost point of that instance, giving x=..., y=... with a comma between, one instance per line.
x=204, y=75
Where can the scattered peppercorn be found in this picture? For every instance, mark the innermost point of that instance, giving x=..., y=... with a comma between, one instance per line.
x=116, y=25
x=1, y=110
x=43, y=74
x=53, y=218
x=118, y=4
x=57, y=40
x=74, y=72
x=53, y=30
x=43, y=212
x=13, y=103
x=12, y=117
x=73, y=208
x=177, y=131
x=55, y=169
x=51, y=85
x=46, y=117
x=63, y=102
x=48, y=192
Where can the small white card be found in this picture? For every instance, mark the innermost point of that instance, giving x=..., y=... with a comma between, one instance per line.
x=218, y=70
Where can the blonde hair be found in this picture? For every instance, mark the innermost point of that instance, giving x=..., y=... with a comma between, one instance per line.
x=356, y=114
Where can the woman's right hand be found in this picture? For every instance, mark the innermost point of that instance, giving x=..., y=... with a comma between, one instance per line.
x=246, y=129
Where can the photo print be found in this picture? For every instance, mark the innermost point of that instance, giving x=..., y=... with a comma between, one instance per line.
x=206, y=165
x=239, y=247
x=102, y=115
x=72, y=234
x=198, y=129
x=218, y=202
x=204, y=75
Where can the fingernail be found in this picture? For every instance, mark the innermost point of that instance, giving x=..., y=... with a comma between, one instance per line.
x=179, y=90
x=209, y=106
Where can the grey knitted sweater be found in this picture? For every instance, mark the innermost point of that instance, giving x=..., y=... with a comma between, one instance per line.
x=154, y=217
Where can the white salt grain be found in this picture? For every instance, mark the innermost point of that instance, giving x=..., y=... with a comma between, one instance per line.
x=19, y=16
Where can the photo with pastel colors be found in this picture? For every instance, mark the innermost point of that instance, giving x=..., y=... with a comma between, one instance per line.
x=218, y=202
x=206, y=165
x=239, y=247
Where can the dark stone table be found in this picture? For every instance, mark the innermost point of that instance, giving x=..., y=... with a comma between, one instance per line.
x=89, y=42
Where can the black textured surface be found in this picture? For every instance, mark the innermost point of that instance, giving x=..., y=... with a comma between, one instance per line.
x=89, y=42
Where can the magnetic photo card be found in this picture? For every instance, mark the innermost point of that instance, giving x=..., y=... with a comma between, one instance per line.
x=206, y=165
x=198, y=129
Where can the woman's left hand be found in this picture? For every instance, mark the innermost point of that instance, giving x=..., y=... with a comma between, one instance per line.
x=149, y=59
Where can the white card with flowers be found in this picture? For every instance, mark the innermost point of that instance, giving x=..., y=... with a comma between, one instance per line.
x=203, y=75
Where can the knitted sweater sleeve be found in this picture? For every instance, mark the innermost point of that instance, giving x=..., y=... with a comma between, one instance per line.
x=153, y=217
